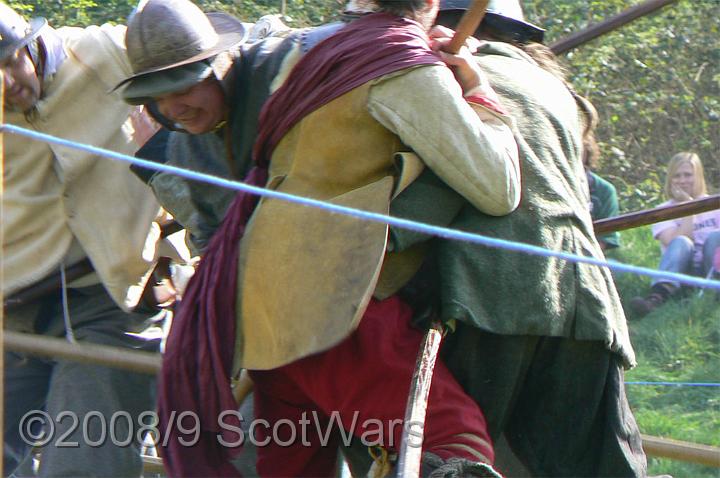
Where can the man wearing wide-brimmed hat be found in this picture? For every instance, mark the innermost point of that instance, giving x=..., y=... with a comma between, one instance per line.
x=61, y=207
x=308, y=327
x=201, y=54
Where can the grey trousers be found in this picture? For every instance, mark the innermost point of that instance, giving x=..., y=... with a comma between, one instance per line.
x=559, y=402
x=95, y=410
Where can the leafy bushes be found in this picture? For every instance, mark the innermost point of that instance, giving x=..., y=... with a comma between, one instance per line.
x=655, y=83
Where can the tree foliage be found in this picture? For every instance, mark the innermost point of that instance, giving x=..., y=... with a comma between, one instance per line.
x=87, y=12
x=655, y=82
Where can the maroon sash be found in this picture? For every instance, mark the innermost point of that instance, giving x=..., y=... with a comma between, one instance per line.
x=198, y=360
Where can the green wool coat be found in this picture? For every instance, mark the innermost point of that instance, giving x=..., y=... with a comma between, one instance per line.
x=511, y=293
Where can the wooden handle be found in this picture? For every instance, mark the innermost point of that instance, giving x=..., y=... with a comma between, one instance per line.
x=652, y=216
x=467, y=25
x=680, y=450
x=583, y=36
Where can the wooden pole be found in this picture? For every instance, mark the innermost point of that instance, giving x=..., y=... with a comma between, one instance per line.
x=467, y=25
x=104, y=355
x=681, y=450
x=153, y=465
x=242, y=387
x=651, y=216
x=410, y=456
x=593, y=31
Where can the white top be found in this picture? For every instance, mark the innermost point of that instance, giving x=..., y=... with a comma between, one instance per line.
x=703, y=225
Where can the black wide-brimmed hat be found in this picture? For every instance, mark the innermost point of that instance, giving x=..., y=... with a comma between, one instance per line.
x=504, y=19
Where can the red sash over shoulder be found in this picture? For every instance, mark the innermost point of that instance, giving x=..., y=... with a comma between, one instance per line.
x=368, y=48
x=198, y=361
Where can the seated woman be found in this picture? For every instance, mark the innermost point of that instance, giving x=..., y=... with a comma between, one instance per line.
x=688, y=244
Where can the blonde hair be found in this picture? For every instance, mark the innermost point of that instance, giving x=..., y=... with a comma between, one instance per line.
x=699, y=188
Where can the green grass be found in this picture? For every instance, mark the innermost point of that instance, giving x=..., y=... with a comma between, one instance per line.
x=678, y=342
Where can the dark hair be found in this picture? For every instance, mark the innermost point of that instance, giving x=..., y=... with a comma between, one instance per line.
x=401, y=8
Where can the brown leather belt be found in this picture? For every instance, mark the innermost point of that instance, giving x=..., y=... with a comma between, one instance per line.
x=47, y=285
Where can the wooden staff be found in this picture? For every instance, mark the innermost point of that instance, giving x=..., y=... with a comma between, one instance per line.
x=681, y=450
x=411, y=453
x=658, y=214
x=242, y=387
x=467, y=25
x=105, y=355
x=593, y=31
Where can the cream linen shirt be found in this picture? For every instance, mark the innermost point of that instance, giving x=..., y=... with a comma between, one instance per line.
x=478, y=159
x=56, y=195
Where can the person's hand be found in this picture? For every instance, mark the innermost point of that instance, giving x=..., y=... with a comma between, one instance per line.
x=180, y=275
x=144, y=127
x=170, y=289
x=441, y=33
x=165, y=294
x=466, y=71
x=680, y=195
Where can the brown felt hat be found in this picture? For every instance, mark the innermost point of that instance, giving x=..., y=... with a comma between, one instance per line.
x=169, y=43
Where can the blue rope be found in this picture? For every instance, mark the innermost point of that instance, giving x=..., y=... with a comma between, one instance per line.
x=676, y=384
x=368, y=216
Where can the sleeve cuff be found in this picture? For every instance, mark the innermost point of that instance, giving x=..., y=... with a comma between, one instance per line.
x=486, y=102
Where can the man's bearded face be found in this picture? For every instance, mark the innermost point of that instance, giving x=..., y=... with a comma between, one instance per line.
x=22, y=86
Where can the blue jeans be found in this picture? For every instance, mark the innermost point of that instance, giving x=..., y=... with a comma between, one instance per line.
x=678, y=257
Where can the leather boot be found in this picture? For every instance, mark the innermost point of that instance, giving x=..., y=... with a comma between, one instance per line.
x=433, y=466
x=642, y=306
